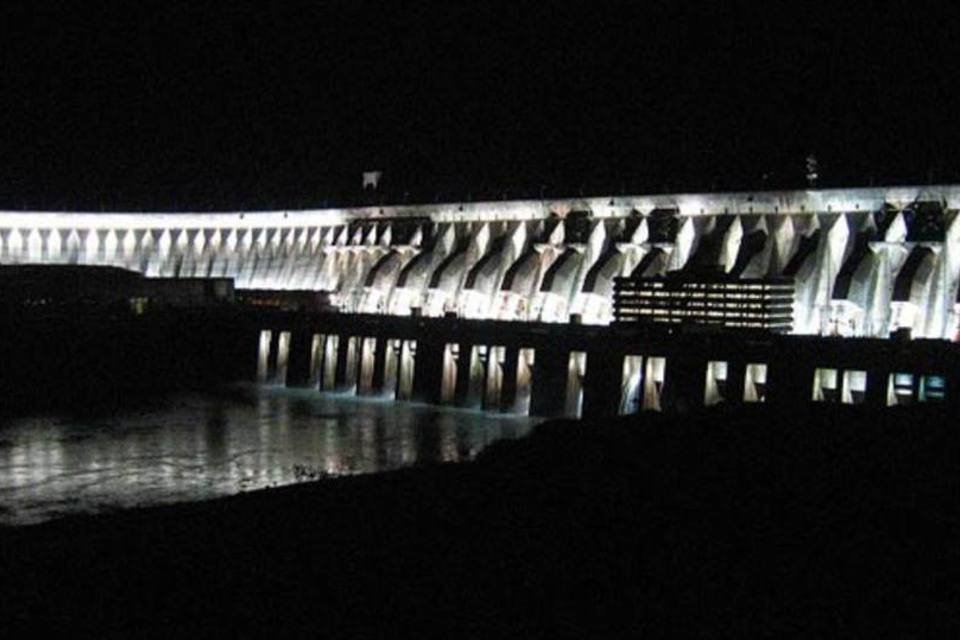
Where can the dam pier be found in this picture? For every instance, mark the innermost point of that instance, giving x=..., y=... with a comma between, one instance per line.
x=573, y=307
x=576, y=370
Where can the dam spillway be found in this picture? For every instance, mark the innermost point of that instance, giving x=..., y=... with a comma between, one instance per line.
x=864, y=262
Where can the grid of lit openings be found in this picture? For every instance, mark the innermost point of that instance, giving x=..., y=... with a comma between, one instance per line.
x=755, y=303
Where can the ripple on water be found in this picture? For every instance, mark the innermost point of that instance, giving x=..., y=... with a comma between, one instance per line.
x=203, y=446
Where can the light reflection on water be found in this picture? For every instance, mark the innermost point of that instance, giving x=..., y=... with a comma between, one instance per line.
x=194, y=447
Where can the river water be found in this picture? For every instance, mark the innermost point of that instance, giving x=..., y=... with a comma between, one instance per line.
x=199, y=446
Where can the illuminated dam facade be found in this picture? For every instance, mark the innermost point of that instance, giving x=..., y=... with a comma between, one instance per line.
x=863, y=262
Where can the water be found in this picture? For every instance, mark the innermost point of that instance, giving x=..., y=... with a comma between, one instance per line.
x=194, y=447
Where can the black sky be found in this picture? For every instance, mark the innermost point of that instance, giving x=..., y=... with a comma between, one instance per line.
x=213, y=105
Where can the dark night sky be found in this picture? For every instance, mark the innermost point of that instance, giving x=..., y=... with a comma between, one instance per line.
x=200, y=105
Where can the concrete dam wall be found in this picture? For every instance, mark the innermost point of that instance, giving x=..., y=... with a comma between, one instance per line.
x=864, y=262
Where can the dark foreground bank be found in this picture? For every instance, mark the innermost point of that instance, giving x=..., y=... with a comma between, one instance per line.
x=731, y=522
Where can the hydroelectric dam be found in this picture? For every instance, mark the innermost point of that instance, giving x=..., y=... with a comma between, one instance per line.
x=575, y=306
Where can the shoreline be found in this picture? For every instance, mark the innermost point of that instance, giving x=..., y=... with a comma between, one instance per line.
x=726, y=521
x=191, y=446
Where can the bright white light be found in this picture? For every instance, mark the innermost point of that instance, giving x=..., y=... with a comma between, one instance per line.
x=325, y=249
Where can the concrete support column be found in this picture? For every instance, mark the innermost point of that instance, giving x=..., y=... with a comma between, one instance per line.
x=340, y=376
x=298, y=365
x=462, y=390
x=250, y=353
x=877, y=381
x=789, y=380
x=508, y=388
x=952, y=388
x=272, y=358
x=683, y=385
x=379, y=365
x=428, y=371
x=549, y=382
x=601, y=388
x=736, y=374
